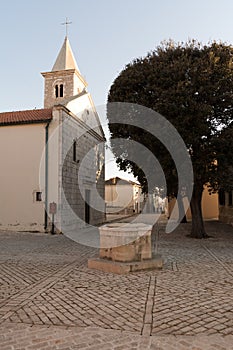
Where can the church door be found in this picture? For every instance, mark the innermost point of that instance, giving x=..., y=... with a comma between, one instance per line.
x=87, y=206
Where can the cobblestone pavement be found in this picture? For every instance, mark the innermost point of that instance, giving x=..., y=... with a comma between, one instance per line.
x=49, y=299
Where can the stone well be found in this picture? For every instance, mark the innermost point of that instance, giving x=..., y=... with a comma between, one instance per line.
x=125, y=242
x=125, y=247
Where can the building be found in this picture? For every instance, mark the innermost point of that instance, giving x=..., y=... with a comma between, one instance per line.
x=210, y=210
x=226, y=206
x=52, y=159
x=226, y=193
x=123, y=196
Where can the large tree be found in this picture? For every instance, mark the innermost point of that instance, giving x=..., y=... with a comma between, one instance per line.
x=191, y=85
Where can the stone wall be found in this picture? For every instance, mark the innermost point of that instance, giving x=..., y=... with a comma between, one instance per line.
x=72, y=85
x=81, y=176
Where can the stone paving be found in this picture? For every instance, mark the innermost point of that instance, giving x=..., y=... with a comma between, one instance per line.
x=49, y=299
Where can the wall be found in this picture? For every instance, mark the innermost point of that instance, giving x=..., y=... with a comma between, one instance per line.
x=21, y=148
x=210, y=205
x=86, y=173
x=53, y=156
x=210, y=209
x=226, y=214
x=226, y=211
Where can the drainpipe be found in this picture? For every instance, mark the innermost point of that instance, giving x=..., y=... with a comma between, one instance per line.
x=46, y=175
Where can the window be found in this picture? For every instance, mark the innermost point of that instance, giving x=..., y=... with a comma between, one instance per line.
x=74, y=151
x=38, y=196
x=56, y=91
x=59, y=90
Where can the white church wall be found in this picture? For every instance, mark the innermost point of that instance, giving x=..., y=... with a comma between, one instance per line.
x=84, y=109
x=53, y=161
x=78, y=84
x=21, y=148
x=54, y=158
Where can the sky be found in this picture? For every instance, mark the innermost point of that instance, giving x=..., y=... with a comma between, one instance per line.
x=105, y=35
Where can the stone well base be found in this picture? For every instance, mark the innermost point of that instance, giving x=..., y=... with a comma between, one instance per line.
x=122, y=268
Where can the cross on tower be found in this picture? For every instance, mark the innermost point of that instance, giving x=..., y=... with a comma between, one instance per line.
x=66, y=23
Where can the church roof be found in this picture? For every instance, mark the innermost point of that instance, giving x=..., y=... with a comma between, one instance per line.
x=26, y=117
x=65, y=59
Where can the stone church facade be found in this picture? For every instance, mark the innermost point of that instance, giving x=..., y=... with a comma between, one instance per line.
x=55, y=156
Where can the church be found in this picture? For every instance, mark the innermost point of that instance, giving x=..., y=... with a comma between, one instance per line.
x=52, y=159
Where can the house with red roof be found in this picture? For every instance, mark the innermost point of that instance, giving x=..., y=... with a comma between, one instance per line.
x=123, y=196
x=52, y=159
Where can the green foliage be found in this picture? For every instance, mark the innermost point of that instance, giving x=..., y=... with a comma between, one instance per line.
x=192, y=86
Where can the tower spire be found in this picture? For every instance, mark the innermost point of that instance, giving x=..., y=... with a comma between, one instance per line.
x=64, y=81
x=65, y=59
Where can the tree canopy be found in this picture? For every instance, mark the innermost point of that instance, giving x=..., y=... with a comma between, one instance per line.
x=191, y=85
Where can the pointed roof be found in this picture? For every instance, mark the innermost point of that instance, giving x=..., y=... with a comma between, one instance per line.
x=65, y=59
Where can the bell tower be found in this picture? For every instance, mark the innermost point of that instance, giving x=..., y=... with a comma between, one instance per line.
x=65, y=79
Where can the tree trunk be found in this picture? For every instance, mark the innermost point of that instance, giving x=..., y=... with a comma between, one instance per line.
x=182, y=215
x=198, y=230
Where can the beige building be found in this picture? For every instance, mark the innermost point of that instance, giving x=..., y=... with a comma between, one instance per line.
x=53, y=155
x=123, y=196
x=210, y=210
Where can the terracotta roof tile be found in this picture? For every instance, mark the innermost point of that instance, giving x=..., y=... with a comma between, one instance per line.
x=26, y=117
